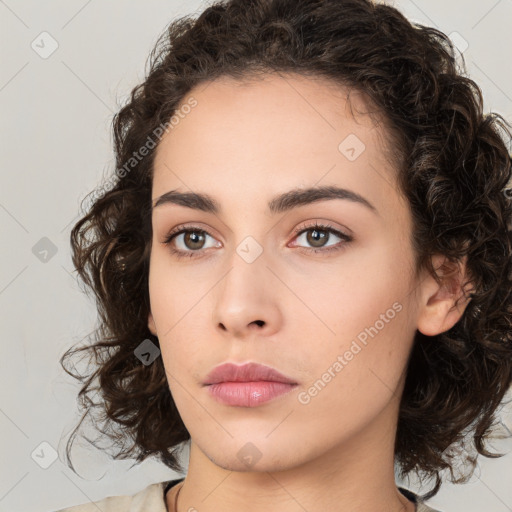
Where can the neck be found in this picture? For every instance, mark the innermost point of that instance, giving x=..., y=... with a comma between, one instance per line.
x=356, y=475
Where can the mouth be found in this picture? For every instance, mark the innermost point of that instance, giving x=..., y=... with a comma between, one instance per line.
x=248, y=394
x=248, y=385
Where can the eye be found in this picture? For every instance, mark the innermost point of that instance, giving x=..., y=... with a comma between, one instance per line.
x=318, y=234
x=189, y=241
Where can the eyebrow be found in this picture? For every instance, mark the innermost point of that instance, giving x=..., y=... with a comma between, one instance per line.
x=279, y=204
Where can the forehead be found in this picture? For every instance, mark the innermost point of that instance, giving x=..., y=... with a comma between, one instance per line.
x=275, y=131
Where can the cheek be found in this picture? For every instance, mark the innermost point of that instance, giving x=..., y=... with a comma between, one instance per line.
x=363, y=307
x=165, y=308
x=180, y=305
x=352, y=293
x=174, y=294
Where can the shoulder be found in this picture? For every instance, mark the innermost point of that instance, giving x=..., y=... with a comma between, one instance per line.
x=149, y=498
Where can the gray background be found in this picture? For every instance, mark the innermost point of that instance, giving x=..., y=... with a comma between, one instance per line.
x=56, y=146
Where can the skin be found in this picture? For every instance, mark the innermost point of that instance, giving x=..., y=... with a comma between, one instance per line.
x=243, y=144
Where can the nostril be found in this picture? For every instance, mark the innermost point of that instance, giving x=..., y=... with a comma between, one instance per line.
x=259, y=322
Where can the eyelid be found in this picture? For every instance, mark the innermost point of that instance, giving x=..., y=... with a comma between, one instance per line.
x=324, y=225
x=184, y=228
x=196, y=226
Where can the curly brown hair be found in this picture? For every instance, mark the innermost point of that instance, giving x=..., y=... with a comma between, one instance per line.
x=453, y=167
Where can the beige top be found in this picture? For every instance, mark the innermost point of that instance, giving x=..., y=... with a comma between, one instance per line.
x=152, y=499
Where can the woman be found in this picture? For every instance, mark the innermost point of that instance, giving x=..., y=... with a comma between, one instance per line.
x=303, y=265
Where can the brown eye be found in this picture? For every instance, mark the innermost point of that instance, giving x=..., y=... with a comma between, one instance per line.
x=194, y=239
x=316, y=237
x=189, y=241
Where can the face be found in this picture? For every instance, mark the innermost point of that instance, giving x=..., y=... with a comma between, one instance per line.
x=334, y=307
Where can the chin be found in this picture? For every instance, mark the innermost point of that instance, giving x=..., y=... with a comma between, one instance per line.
x=245, y=456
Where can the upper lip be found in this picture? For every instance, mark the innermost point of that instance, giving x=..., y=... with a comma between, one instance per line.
x=249, y=372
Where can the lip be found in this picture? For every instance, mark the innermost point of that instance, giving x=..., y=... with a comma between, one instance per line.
x=249, y=372
x=248, y=394
x=248, y=385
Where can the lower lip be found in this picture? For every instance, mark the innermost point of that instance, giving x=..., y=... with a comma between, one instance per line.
x=248, y=394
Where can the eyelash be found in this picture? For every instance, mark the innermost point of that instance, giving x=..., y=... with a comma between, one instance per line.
x=299, y=231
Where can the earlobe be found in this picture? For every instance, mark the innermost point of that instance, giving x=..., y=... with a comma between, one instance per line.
x=443, y=304
x=151, y=324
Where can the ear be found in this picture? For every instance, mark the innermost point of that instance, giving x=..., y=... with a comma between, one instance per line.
x=442, y=304
x=151, y=324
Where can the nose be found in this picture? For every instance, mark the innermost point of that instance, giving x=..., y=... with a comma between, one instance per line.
x=247, y=300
